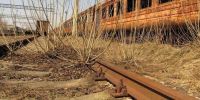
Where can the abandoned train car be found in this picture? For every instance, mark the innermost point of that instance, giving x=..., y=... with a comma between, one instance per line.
x=171, y=20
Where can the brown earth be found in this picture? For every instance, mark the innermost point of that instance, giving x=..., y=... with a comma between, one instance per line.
x=48, y=77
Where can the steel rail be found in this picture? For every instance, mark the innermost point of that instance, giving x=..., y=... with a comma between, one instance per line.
x=138, y=87
x=5, y=48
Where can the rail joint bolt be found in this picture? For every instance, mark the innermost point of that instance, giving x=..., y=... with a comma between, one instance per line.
x=120, y=90
x=100, y=76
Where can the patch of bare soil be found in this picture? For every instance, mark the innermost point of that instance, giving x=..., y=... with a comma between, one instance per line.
x=20, y=91
x=60, y=69
x=46, y=76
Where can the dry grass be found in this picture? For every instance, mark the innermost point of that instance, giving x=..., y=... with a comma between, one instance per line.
x=176, y=66
x=10, y=39
x=179, y=66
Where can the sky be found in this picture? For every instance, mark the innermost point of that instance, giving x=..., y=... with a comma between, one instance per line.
x=63, y=10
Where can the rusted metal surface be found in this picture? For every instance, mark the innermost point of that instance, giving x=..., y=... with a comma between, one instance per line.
x=173, y=12
x=5, y=48
x=120, y=90
x=100, y=75
x=137, y=86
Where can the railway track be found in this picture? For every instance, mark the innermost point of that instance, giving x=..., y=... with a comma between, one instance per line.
x=6, y=48
x=127, y=83
x=131, y=84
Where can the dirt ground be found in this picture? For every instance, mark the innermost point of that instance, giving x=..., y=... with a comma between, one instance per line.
x=31, y=74
x=38, y=76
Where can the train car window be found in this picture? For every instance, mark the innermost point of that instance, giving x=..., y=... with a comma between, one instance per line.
x=86, y=17
x=164, y=1
x=78, y=21
x=111, y=10
x=93, y=14
x=119, y=8
x=104, y=13
x=131, y=5
x=145, y=3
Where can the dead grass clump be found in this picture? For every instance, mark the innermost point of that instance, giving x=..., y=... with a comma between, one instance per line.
x=63, y=52
x=196, y=73
x=88, y=49
x=161, y=61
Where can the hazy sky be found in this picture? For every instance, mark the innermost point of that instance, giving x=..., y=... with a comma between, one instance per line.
x=56, y=17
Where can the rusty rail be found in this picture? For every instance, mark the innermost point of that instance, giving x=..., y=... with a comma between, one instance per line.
x=136, y=86
x=5, y=49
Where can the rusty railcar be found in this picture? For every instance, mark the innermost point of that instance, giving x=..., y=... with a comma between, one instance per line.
x=139, y=14
x=85, y=18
